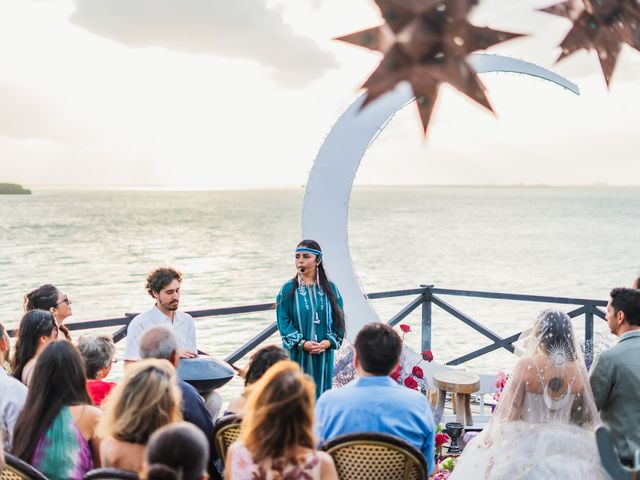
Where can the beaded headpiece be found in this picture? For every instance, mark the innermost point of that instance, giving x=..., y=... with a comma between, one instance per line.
x=309, y=250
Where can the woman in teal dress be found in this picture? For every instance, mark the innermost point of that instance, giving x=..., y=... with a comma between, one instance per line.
x=310, y=316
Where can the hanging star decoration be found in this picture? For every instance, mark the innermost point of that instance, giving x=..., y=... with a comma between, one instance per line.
x=601, y=25
x=426, y=42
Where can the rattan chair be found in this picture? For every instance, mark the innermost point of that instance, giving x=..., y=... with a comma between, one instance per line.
x=16, y=469
x=110, y=474
x=225, y=432
x=367, y=456
x=609, y=457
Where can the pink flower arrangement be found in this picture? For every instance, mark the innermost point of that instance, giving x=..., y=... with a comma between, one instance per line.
x=501, y=382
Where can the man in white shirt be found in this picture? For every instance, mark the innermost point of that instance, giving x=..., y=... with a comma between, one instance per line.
x=163, y=284
x=12, y=393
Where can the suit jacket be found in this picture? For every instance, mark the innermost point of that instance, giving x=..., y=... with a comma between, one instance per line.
x=615, y=381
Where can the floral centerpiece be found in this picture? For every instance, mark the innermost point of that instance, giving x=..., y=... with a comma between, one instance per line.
x=409, y=372
x=445, y=468
x=441, y=439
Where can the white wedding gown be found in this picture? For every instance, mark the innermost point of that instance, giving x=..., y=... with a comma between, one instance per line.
x=532, y=449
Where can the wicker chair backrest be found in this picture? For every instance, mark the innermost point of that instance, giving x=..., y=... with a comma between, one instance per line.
x=369, y=456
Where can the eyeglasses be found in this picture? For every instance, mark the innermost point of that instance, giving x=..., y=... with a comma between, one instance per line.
x=64, y=300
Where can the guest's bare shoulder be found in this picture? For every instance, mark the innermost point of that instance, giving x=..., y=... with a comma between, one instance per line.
x=327, y=467
x=87, y=418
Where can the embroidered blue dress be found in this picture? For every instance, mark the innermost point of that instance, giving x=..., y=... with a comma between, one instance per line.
x=305, y=314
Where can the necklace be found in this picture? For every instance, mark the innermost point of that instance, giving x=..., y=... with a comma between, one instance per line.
x=303, y=289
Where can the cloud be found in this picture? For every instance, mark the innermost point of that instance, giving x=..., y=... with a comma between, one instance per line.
x=28, y=114
x=246, y=29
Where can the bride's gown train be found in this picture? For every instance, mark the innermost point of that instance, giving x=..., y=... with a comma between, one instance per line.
x=532, y=450
x=543, y=427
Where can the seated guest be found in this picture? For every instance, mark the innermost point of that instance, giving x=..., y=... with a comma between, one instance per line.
x=147, y=399
x=49, y=298
x=37, y=329
x=163, y=285
x=178, y=451
x=374, y=402
x=259, y=363
x=12, y=393
x=161, y=343
x=56, y=430
x=97, y=353
x=276, y=440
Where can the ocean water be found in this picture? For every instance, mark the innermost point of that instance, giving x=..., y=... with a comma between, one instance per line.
x=236, y=248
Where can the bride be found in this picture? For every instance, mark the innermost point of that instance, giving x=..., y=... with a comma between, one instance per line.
x=543, y=427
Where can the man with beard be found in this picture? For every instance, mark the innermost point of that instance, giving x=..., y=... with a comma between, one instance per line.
x=163, y=284
x=12, y=393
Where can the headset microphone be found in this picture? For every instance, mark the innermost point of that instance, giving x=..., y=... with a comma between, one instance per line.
x=301, y=269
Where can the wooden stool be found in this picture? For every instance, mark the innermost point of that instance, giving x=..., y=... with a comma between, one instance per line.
x=460, y=384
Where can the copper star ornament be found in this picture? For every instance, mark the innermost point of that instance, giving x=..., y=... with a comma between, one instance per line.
x=601, y=25
x=426, y=42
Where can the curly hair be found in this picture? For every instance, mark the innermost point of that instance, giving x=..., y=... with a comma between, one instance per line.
x=160, y=278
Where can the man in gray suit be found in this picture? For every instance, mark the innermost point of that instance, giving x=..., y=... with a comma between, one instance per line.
x=615, y=377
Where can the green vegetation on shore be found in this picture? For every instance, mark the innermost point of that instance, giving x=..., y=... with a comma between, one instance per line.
x=13, y=189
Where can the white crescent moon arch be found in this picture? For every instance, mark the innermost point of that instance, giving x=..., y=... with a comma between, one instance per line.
x=326, y=200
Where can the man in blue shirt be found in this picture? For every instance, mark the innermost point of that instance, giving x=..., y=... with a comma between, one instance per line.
x=373, y=402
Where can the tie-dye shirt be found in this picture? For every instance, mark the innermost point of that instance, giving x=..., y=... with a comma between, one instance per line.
x=62, y=452
x=243, y=467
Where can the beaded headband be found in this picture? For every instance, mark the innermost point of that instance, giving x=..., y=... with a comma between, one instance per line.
x=309, y=250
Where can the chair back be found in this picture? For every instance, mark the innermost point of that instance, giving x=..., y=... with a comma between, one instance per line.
x=225, y=432
x=16, y=469
x=110, y=474
x=365, y=456
x=609, y=457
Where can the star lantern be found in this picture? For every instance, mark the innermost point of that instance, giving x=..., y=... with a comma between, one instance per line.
x=601, y=25
x=426, y=42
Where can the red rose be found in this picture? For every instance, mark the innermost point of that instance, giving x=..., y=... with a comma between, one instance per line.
x=405, y=328
x=396, y=373
x=410, y=382
x=441, y=439
x=417, y=371
x=427, y=356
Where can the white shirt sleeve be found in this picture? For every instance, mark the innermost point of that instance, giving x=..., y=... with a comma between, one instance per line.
x=191, y=339
x=12, y=410
x=132, y=349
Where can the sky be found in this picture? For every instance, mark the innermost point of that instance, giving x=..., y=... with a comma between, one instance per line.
x=200, y=94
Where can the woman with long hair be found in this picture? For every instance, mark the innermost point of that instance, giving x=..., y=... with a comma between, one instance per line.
x=49, y=298
x=56, y=430
x=36, y=330
x=146, y=400
x=178, y=451
x=546, y=416
x=276, y=438
x=310, y=316
x=259, y=363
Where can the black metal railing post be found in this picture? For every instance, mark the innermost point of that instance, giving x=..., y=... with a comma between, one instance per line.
x=426, y=317
x=588, y=336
